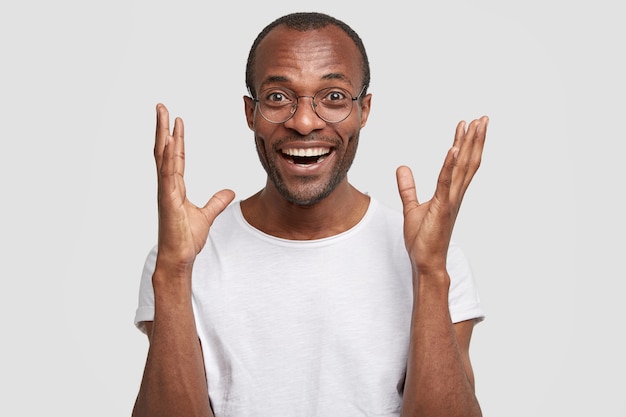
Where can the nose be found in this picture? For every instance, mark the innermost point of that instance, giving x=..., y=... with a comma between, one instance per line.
x=304, y=119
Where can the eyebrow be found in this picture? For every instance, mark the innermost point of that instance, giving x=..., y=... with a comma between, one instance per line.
x=282, y=79
x=335, y=76
x=275, y=79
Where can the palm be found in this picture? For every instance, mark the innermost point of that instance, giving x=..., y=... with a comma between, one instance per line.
x=428, y=226
x=183, y=227
x=427, y=231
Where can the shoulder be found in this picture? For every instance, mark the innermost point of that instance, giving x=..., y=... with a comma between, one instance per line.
x=457, y=260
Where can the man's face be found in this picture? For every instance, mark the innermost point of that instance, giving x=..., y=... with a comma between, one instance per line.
x=306, y=62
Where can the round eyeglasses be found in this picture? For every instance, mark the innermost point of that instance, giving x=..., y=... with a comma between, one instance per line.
x=333, y=104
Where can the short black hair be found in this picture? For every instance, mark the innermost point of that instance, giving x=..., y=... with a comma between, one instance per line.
x=305, y=21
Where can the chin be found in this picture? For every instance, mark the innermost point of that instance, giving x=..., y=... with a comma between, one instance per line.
x=308, y=194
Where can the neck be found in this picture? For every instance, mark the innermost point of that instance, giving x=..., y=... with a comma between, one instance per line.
x=272, y=214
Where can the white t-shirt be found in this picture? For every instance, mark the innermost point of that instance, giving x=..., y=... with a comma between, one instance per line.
x=308, y=328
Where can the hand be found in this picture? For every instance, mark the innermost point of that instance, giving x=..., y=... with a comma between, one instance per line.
x=183, y=227
x=428, y=226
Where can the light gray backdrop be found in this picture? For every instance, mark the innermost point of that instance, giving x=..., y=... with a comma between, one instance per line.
x=542, y=223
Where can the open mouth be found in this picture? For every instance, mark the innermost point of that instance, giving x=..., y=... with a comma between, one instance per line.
x=306, y=156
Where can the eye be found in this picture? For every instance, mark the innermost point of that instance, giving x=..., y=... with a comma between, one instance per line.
x=334, y=95
x=333, y=98
x=277, y=97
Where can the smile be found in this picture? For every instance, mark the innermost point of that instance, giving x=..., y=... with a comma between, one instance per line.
x=306, y=156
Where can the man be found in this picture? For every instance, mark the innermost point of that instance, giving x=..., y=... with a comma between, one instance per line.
x=308, y=298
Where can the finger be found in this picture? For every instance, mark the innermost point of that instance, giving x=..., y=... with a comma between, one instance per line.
x=459, y=134
x=481, y=135
x=167, y=171
x=469, y=157
x=217, y=204
x=475, y=158
x=444, y=180
x=179, y=138
x=406, y=188
x=161, y=134
x=466, y=144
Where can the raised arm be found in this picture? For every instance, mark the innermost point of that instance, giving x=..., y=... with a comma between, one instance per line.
x=174, y=381
x=439, y=379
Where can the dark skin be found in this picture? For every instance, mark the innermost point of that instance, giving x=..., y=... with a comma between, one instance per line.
x=306, y=64
x=310, y=202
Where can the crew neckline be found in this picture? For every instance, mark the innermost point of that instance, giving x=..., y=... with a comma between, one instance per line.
x=371, y=208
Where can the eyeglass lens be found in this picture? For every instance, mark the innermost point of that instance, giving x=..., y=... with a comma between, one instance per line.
x=331, y=104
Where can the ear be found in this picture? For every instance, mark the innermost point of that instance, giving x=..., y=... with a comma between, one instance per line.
x=366, y=102
x=249, y=108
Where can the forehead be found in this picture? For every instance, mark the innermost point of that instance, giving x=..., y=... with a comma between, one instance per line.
x=310, y=58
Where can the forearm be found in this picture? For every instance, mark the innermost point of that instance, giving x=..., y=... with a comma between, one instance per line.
x=174, y=380
x=437, y=383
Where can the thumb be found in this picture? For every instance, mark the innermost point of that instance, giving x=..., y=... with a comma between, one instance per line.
x=406, y=188
x=217, y=204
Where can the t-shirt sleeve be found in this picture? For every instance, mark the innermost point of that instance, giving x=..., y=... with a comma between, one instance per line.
x=463, y=297
x=145, y=307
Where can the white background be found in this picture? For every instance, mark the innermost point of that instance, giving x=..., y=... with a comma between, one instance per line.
x=542, y=223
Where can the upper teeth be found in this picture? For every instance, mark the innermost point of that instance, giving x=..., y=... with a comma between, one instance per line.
x=306, y=151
